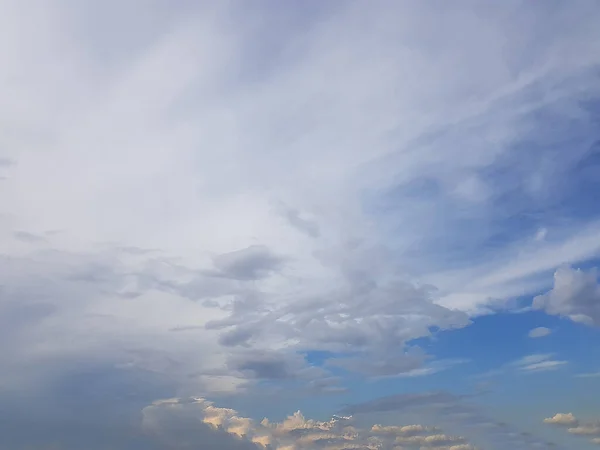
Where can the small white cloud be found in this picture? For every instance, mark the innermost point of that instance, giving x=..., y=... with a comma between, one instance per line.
x=537, y=363
x=565, y=419
x=540, y=332
x=589, y=375
x=541, y=234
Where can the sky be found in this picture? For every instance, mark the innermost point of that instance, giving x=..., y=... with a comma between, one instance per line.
x=299, y=225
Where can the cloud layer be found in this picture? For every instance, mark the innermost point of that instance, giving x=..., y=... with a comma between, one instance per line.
x=212, y=194
x=297, y=432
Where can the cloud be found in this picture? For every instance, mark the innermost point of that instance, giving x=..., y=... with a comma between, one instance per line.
x=566, y=419
x=6, y=162
x=296, y=431
x=27, y=237
x=250, y=263
x=537, y=363
x=449, y=411
x=307, y=226
x=529, y=364
x=588, y=375
x=576, y=427
x=539, y=332
x=392, y=133
x=575, y=295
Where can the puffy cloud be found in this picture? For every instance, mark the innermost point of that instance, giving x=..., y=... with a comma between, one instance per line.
x=576, y=295
x=296, y=431
x=576, y=427
x=562, y=419
x=539, y=332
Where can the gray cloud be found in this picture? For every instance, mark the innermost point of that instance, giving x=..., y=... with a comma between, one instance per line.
x=449, y=411
x=576, y=295
x=263, y=365
x=372, y=315
x=294, y=218
x=30, y=238
x=6, y=162
x=250, y=263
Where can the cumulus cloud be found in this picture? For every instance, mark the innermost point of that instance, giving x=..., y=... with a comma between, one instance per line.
x=576, y=427
x=296, y=431
x=562, y=419
x=576, y=295
x=539, y=332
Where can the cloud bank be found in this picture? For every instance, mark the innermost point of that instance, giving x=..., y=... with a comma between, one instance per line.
x=296, y=432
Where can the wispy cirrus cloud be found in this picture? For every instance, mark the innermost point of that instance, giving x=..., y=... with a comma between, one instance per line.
x=537, y=363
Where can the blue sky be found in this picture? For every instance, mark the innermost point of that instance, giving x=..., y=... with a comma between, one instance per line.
x=380, y=214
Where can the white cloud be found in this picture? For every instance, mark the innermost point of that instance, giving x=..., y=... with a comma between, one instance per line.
x=588, y=375
x=529, y=364
x=567, y=419
x=576, y=295
x=539, y=332
x=576, y=427
x=537, y=363
x=296, y=182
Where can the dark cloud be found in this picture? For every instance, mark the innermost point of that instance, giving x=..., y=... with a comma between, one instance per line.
x=271, y=365
x=88, y=406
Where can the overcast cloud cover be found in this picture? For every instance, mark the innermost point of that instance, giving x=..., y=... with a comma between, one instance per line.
x=268, y=206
